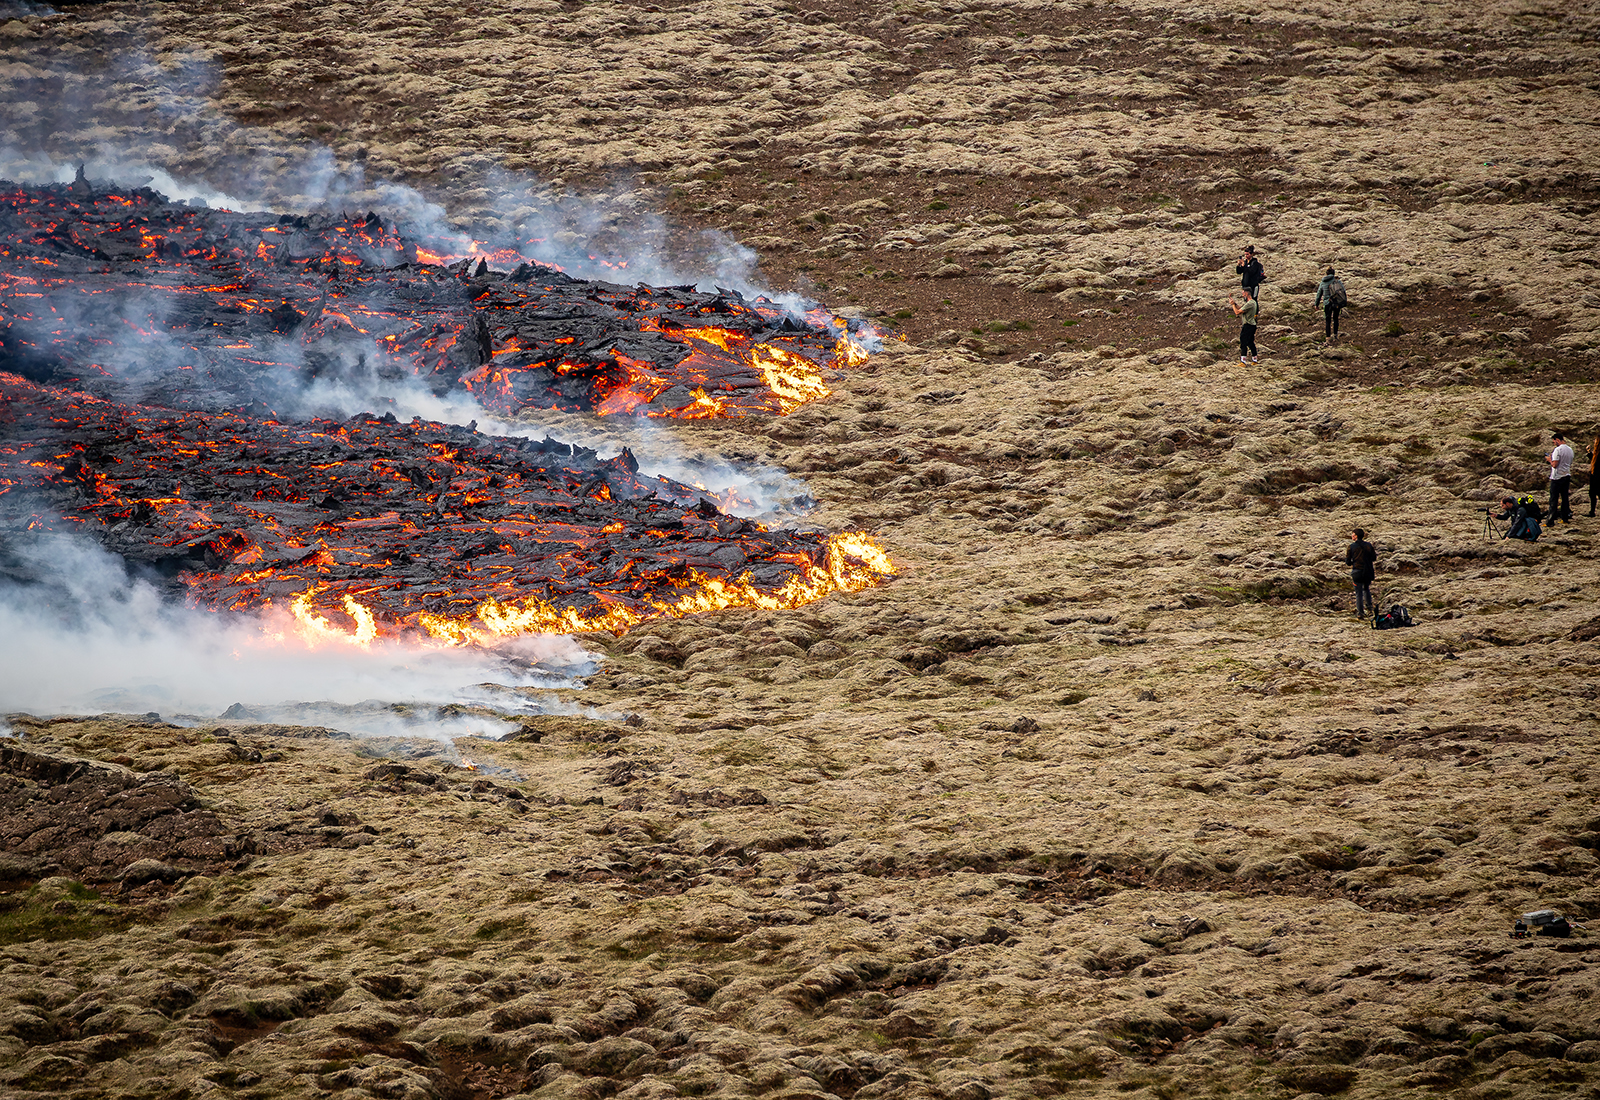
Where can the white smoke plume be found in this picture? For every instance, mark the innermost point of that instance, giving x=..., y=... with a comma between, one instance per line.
x=743, y=489
x=79, y=635
x=38, y=169
x=545, y=225
x=135, y=117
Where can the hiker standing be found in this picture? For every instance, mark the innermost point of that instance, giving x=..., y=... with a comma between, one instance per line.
x=1594, y=490
x=1251, y=275
x=1247, y=312
x=1331, y=299
x=1560, y=460
x=1360, y=557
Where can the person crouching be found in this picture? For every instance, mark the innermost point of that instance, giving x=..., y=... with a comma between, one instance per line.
x=1524, y=515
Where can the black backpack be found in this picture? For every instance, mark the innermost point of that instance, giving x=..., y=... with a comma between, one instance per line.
x=1396, y=616
x=1336, y=294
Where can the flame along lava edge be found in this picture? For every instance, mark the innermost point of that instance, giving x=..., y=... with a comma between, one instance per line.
x=854, y=562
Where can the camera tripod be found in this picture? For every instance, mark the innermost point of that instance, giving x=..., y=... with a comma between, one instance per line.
x=1490, y=531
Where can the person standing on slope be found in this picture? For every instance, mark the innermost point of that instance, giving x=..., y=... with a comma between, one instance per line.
x=1251, y=275
x=1247, y=312
x=1361, y=557
x=1560, y=459
x=1594, y=488
x=1330, y=299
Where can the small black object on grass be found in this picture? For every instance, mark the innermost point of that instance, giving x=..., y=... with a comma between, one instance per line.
x=1543, y=922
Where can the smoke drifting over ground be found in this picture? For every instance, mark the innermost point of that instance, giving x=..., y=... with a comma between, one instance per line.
x=78, y=634
x=743, y=489
x=205, y=157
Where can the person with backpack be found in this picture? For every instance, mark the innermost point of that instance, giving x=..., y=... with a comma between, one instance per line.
x=1331, y=299
x=1361, y=558
x=1247, y=312
x=1250, y=272
x=1524, y=514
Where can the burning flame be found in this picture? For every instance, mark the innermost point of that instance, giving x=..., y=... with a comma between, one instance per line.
x=794, y=379
x=853, y=346
x=854, y=561
x=316, y=629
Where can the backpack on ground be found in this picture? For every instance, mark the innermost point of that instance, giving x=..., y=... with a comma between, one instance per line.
x=1336, y=294
x=1396, y=616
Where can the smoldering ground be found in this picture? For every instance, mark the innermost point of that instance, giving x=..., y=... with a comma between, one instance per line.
x=79, y=634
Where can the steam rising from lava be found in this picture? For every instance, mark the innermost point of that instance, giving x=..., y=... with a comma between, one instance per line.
x=170, y=446
x=79, y=634
x=117, y=288
x=175, y=310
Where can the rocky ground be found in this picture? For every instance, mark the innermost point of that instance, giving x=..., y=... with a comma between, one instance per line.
x=1107, y=793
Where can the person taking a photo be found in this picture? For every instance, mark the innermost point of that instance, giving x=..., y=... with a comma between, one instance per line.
x=1250, y=272
x=1560, y=460
x=1247, y=312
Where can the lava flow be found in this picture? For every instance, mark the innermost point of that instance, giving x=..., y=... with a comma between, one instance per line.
x=152, y=357
x=110, y=290
x=374, y=526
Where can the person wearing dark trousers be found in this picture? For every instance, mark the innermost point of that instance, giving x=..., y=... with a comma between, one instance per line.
x=1560, y=460
x=1251, y=274
x=1330, y=303
x=1594, y=490
x=1247, y=312
x=1524, y=517
x=1360, y=557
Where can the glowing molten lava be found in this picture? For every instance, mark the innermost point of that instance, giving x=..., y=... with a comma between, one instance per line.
x=157, y=359
x=852, y=562
x=111, y=291
x=373, y=527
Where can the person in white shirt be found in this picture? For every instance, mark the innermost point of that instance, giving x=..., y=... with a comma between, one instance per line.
x=1560, y=460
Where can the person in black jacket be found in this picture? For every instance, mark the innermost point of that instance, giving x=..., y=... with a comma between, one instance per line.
x=1524, y=515
x=1250, y=272
x=1594, y=486
x=1329, y=305
x=1361, y=557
